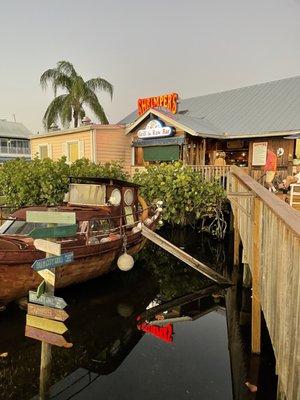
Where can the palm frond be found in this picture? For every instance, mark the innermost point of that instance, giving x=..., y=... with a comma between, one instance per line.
x=49, y=75
x=53, y=111
x=65, y=113
x=67, y=68
x=100, y=84
x=92, y=100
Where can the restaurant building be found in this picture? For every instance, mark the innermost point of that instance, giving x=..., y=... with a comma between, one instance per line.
x=241, y=123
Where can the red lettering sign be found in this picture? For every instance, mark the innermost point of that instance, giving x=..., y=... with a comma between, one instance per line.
x=168, y=101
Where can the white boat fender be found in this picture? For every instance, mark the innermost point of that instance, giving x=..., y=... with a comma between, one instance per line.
x=125, y=262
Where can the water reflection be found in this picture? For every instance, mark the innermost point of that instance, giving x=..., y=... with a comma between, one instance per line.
x=158, y=331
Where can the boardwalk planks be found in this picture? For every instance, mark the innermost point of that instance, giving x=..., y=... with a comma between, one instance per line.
x=270, y=233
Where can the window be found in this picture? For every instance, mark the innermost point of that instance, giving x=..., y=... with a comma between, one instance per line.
x=43, y=151
x=73, y=151
x=99, y=227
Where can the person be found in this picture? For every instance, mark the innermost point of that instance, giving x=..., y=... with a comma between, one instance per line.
x=220, y=160
x=286, y=183
x=270, y=169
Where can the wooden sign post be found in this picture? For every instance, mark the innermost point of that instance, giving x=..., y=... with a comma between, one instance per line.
x=45, y=322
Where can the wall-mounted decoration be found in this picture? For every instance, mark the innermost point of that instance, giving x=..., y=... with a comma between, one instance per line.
x=259, y=155
x=154, y=129
x=168, y=101
x=280, y=152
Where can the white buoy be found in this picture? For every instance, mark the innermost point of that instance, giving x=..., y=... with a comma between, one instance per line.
x=125, y=262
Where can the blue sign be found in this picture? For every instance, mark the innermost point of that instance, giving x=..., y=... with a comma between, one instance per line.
x=53, y=262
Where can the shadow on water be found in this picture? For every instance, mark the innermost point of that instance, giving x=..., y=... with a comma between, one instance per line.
x=158, y=331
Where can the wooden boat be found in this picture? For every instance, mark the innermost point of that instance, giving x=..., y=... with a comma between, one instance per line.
x=109, y=214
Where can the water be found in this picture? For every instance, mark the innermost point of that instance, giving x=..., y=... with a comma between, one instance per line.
x=202, y=356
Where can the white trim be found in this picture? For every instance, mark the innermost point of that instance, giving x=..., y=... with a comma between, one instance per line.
x=132, y=156
x=39, y=151
x=93, y=145
x=162, y=116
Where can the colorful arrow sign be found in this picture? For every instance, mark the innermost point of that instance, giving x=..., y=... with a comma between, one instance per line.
x=53, y=231
x=41, y=289
x=47, y=312
x=47, y=300
x=53, y=262
x=51, y=217
x=48, y=337
x=47, y=246
x=46, y=324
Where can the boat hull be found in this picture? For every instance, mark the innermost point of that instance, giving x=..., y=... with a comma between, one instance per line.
x=16, y=280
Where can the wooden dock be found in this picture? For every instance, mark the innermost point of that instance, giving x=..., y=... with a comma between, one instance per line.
x=269, y=230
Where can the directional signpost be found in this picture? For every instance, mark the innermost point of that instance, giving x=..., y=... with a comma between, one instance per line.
x=52, y=262
x=47, y=247
x=46, y=324
x=47, y=312
x=47, y=300
x=47, y=337
x=45, y=316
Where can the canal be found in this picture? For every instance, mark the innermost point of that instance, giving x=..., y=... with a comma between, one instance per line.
x=160, y=331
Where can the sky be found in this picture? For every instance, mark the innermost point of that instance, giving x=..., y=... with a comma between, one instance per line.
x=143, y=48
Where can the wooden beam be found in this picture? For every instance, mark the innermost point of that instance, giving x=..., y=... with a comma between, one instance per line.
x=191, y=261
x=256, y=308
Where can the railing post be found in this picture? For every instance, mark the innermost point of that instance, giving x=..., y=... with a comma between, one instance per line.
x=256, y=248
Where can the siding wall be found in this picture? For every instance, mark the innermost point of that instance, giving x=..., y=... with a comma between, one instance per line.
x=57, y=143
x=113, y=145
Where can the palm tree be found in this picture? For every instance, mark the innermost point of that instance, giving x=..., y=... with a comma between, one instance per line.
x=79, y=93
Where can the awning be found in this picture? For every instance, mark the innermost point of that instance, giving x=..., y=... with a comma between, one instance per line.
x=161, y=153
x=177, y=140
x=294, y=137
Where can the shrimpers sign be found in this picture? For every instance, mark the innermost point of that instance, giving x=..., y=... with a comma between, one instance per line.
x=168, y=101
x=155, y=128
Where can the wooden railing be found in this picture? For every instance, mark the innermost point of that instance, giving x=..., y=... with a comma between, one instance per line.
x=211, y=172
x=270, y=233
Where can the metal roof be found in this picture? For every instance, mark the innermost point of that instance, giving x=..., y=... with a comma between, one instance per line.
x=247, y=111
x=13, y=130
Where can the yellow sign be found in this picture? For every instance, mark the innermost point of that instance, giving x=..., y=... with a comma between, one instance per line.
x=46, y=324
x=47, y=246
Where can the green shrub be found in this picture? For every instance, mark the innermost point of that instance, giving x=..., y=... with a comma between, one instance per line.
x=45, y=182
x=186, y=197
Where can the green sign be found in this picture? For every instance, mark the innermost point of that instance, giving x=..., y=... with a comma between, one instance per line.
x=53, y=232
x=40, y=290
x=161, y=153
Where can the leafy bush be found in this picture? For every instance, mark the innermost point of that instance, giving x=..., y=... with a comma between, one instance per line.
x=187, y=197
x=45, y=182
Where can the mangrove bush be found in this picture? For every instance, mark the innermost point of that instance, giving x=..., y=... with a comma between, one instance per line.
x=45, y=182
